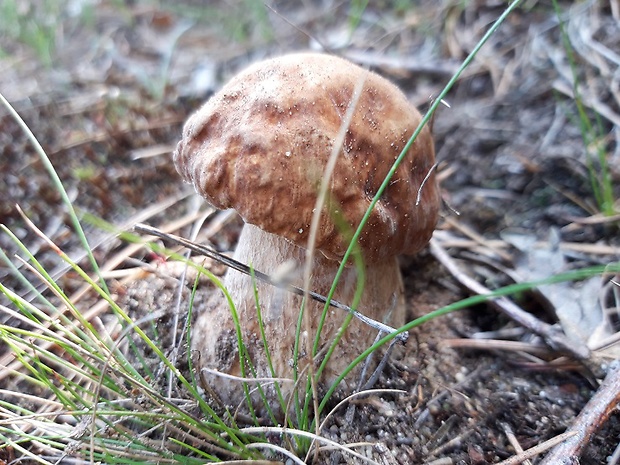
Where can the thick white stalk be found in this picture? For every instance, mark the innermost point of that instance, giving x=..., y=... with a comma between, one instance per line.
x=214, y=340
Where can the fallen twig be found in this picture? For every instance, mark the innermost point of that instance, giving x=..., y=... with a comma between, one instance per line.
x=514, y=442
x=243, y=268
x=449, y=240
x=497, y=344
x=537, y=450
x=589, y=421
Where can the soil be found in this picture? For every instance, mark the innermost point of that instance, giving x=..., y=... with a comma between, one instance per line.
x=107, y=100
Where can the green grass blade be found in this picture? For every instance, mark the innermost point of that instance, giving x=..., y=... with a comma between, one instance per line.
x=58, y=185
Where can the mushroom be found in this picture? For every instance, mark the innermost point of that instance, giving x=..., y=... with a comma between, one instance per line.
x=260, y=146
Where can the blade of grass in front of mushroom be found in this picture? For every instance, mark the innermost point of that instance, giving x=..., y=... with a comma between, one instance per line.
x=246, y=364
x=321, y=201
x=188, y=334
x=245, y=361
x=272, y=371
x=358, y=261
x=425, y=120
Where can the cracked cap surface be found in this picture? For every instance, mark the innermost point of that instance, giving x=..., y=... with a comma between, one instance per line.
x=260, y=146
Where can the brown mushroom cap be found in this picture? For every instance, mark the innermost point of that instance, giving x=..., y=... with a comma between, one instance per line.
x=260, y=146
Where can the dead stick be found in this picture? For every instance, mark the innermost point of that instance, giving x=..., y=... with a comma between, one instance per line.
x=514, y=442
x=589, y=421
x=537, y=450
x=243, y=268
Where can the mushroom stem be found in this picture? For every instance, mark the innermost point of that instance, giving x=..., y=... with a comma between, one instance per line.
x=216, y=343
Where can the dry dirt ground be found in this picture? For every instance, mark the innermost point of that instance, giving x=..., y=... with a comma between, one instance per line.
x=106, y=86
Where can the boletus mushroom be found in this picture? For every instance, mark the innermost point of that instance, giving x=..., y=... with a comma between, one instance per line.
x=260, y=146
